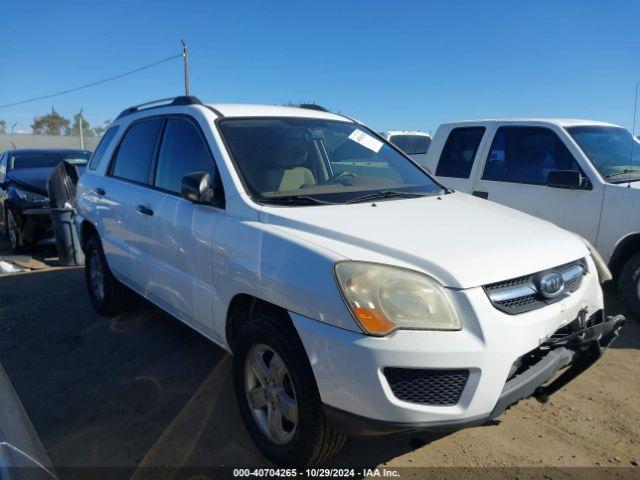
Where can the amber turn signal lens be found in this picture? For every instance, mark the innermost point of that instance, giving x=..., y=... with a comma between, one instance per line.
x=374, y=320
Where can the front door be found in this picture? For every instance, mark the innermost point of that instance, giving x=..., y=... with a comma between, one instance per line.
x=180, y=247
x=515, y=172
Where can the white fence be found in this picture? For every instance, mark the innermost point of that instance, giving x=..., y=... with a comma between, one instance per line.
x=27, y=140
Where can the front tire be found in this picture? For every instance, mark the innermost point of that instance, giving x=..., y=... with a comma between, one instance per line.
x=108, y=296
x=278, y=397
x=13, y=232
x=629, y=284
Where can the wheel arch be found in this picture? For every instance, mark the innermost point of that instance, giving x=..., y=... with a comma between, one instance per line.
x=243, y=307
x=87, y=229
x=625, y=248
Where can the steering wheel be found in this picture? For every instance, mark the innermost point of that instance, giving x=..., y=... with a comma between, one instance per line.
x=336, y=177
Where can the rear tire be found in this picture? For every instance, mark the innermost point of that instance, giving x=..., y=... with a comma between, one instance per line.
x=629, y=284
x=310, y=439
x=108, y=296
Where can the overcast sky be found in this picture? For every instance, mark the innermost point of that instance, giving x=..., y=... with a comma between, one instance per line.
x=393, y=65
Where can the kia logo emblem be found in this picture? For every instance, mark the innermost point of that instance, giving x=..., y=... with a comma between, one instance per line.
x=551, y=284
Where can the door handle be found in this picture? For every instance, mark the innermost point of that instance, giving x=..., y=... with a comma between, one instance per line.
x=144, y=210
x=100, y=191
x=479, y=194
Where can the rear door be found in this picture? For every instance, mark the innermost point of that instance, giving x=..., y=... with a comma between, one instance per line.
x=180, y=246
x=457, y=164
x=515, y=172
x=124, y=200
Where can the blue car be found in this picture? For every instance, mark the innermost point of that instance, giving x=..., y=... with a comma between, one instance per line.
x=24, y=202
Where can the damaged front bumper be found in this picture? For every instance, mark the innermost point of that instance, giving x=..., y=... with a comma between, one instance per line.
x=575, y=347
x=567, y=353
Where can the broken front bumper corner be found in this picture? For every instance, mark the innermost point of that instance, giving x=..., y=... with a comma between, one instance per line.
x=573, y=353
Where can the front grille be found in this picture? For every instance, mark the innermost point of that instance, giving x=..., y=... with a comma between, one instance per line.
x=427, y=387
x=520, y=294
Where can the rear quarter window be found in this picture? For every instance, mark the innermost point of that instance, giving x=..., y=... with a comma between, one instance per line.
x=104, y=143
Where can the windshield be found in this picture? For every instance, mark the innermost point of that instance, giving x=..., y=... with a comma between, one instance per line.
x=325, y=161
x=411, y=144
x=47, y=159
x=610, y=150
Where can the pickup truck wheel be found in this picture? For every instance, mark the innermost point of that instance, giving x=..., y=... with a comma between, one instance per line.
x=629, y=284
x=108, y=296
x=278, y=397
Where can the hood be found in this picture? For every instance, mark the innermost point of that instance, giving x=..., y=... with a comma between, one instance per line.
x=34, y=178
x=458, y=239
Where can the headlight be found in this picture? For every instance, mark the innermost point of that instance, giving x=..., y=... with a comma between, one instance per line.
x=29, y=196
x=385, y=298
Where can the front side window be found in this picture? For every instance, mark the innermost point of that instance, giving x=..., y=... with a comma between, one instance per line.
x=527, y=155
x=285, y=159
x=411, y=144
x=183, y=151
x=135, y=154
x=612, y=150
x=43, y=159
x=96, y=158
x=459, y=151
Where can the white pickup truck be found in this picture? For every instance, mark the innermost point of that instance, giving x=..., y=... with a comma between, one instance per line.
x=412, y=142
x=579, y=174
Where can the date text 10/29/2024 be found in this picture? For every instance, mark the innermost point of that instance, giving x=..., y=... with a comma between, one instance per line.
x=316, y=473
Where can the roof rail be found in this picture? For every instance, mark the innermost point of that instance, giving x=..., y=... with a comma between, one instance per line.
x=163, y=102
x=311, y=106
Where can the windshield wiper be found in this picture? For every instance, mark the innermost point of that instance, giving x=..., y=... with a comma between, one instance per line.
x=383, y=194
x=623, y=172
x=295, y=200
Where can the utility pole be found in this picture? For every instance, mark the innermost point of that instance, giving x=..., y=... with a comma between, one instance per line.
x=81, y=128
x=185, y=56
x=12, y=126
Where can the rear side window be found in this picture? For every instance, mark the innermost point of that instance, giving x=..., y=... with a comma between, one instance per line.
x=135, y=154
x=183, y=151
x=411, y=144
x=459, y=151
x=96, y=158
x=526, y=155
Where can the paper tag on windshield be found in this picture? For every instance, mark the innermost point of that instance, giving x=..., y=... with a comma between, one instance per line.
x=366, y=140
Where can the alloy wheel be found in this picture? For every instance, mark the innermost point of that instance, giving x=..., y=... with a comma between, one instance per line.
x=270, y=394
x=12, y=230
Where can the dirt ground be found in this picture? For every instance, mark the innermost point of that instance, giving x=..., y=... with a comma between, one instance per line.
x=142, y=389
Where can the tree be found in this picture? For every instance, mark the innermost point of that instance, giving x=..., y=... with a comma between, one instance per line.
x=74, y=128
x=3, y=126
x=50, y=124
x=98, y=131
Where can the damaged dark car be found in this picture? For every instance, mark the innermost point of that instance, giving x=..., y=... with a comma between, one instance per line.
x=24, y=201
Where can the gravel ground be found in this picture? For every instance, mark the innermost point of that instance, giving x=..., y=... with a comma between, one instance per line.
x=142, y=389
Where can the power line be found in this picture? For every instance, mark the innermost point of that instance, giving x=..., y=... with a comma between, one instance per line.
x=93, y=84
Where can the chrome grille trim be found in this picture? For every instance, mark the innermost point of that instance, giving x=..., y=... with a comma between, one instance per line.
x=520, y=294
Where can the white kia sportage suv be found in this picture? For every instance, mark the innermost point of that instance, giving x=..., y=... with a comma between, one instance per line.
x=357, y=294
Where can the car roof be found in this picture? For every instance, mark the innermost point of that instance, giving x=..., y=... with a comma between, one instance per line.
x=560, y=122
x=254, y=110
x=407, y=132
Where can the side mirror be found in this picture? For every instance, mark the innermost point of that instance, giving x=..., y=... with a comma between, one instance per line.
x=196, y=187
x=571, y=179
